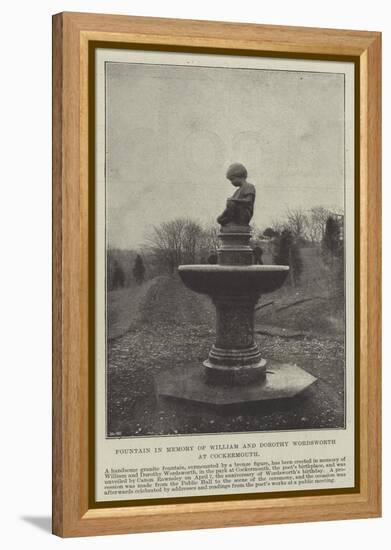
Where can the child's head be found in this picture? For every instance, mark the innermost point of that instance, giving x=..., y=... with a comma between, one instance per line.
x=236, y=174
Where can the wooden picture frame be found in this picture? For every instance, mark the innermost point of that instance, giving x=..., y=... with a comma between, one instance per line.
x=75, y=35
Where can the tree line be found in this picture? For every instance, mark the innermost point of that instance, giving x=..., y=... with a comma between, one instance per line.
x=308, y=226
x=124, y=268
x=287, y=248
x=184, y=240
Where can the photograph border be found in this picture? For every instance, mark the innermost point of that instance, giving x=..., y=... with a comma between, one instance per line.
x=93, y=402
x=75, y=38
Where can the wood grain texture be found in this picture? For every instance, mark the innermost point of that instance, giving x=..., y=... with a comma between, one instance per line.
x=72, y=32
x=223, y=35
x=370, y=267
x=57, y=461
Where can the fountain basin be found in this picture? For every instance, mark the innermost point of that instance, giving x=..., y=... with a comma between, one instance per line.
x=217, y=279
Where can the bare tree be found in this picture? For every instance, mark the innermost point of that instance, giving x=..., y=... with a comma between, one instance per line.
x=297, y=222
x=317, y=218
x=255, y=230
x=210, y=238
x=160, y=244
x=278, y=226
x=191, y=241
x=174, y=242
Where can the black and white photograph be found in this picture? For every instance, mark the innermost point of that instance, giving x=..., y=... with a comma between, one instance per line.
x=225, y=268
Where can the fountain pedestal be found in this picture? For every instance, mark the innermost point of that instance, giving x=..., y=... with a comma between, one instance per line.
x=235, y=357
x=234, y=372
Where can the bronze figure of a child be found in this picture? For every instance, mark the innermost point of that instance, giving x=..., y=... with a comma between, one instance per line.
x=240, y=206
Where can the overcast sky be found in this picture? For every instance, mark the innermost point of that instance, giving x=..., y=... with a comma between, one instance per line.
x=172, y=131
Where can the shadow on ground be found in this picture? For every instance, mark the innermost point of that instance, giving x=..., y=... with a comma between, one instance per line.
x=44, y=523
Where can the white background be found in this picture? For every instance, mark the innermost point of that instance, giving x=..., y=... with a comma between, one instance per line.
x=25, y=285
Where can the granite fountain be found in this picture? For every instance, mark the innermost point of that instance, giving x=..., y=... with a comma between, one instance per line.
x=235, y=372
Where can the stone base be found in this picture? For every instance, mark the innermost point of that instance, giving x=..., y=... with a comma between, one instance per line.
x=230, y=375
x=283, y=381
